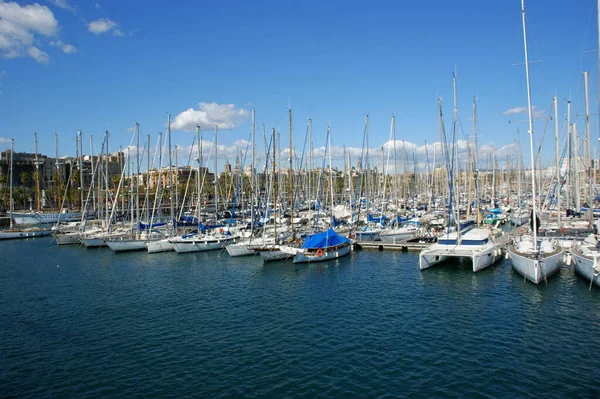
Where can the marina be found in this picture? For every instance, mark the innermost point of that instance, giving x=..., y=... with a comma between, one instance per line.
x=300, y=200
x=79, y=322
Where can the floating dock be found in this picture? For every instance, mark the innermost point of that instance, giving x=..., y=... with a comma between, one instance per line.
x=404, y=246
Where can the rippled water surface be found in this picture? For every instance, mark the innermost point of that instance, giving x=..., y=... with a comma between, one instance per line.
x=90, y=323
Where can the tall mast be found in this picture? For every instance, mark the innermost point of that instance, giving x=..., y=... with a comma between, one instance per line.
x=173, y=224
x=291, y=175
x=455, y=155
x=252, y=173
x=137, y=174
x=10, y=190
x=216, y=179
x=80, y=150
x=588, y=154
x=310, y=157
x=176, y=177
x=598, y=52
x=148, y=185
x=37, y=173
x=106, y=181
x=57, y=165
x=92, y=170
x=476, y=152
x=274, y=187
x=557, y=190
x=569, y=151
x=199, y=144
x=530, y=117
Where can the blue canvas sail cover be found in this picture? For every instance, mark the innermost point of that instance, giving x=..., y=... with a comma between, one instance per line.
x=143, y=226
x=325, y=239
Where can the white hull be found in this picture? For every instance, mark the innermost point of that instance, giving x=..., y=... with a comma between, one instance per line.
x=20, y=218
x=126, y=245
x=587, y=267
x=240, y=249
x=67, y=238
x=304, y=257
x=247, y=247
x=163, y=245
x=13, y=234
x=394, y=237
x=273, y=253
x=519, y=220
x=536, y=270
x=200, y=244
x=481, y=256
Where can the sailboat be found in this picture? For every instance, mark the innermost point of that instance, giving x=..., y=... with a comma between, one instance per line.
x=533, y=259
x=461, y=240
x=203, y=240
x=13, y=232
x=41, y=217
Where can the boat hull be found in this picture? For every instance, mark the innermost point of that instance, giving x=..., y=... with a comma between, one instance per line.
x=584, y=266
x=10, y=235
x=481, y=256
x=126, y=245
x=21, y=218
x=302, y=257
x=157, y=246
x=200, y=245
x=397, y=237
x=536, y=270
x=273, y=254
x=67, y=238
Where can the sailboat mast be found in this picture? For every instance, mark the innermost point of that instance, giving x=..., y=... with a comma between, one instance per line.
x=273, y=187
x=557, y=190
x=173, y=225
x=37, y=172
x=593, y=165
x=199, y=144
x=92, y=170
x=57, y=164
x=291, y=175
x=589, y=137
x=216, y=179
x=106, y=185
x=455, y=155
x=80, y=150
x=10, y=190
x=252, y=173
x=530, y=117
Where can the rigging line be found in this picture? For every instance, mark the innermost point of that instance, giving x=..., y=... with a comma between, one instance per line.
x=587, y=33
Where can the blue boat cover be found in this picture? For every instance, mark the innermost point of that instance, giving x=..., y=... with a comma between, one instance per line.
x=325, y=239
x=143, y=226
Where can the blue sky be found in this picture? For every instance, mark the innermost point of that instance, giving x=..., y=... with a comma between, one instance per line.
x=108, y=64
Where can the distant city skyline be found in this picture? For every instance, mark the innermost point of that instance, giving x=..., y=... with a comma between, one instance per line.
x=69, y=65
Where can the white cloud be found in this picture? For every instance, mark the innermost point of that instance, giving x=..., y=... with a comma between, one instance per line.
x=38, y=55
x=64, y=4
x=4, y=140
x=225, y=116
x=104, y=25
x=537, y=113
x=66, y=48
x=515, y=110
x=21, y=25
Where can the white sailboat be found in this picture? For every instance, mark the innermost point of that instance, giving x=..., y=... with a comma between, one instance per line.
x=477, y=244
x=535, y=260
x=12, y=232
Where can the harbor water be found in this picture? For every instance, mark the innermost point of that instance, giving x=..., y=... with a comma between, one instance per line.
x=91, y=323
